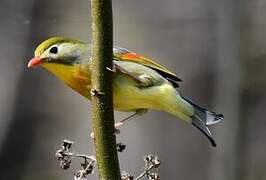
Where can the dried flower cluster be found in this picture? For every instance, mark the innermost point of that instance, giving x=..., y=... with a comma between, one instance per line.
x=151, y=170
x=65, y=157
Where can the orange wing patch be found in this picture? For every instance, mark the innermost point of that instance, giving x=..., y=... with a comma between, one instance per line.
x=145, y=61
x=128, y=56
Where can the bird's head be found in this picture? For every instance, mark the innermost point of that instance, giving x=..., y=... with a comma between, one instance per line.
x=58, y=51
x=67, y=59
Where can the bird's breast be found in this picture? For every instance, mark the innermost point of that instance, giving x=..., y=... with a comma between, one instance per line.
x=81, y=82
x=74, y=76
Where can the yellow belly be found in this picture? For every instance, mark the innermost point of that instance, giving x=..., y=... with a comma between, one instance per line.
x=127, y=96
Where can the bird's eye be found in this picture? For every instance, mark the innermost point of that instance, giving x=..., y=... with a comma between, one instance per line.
x=53, y=50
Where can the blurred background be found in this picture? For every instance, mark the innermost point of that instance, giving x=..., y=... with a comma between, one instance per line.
x=217, y=47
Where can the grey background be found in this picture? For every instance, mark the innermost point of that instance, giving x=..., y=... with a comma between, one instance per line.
x=216, y=47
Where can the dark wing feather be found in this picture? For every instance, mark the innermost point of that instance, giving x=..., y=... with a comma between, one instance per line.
x=121, y=54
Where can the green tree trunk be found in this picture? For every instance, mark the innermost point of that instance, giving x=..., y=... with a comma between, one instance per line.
x=102, y=102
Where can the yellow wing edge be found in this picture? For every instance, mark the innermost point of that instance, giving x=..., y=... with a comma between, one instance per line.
x=130, y=56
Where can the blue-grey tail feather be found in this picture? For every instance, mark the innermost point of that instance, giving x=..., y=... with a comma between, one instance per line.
x=202, y=118
x=208, y=117
x=204, y=129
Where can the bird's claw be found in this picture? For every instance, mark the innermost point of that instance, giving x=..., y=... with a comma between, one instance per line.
x=92, y=135
x=117, y=131
x=112, y=70
x=117, y=126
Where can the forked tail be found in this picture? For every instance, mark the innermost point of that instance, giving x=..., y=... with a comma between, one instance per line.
x=202, y=118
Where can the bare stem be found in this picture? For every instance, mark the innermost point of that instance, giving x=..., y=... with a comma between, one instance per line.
x=102, y=102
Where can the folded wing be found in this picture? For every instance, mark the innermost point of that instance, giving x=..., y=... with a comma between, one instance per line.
x=122, y=54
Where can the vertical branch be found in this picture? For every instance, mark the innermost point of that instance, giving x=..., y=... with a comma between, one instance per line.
x=102, y=102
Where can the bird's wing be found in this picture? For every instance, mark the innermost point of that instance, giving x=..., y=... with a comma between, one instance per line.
x=121, y=54
x=142, y=75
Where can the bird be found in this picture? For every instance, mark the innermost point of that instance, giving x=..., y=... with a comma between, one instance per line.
x=138, y=83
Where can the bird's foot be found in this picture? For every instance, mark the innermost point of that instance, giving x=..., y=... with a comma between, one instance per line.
x=123, y=121
x=117, y=131
x=117, y=126
x=92, y=135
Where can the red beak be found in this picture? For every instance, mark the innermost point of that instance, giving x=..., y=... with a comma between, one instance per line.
x=34, y=62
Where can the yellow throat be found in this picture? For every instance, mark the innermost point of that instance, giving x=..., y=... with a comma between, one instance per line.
x=75, y=76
